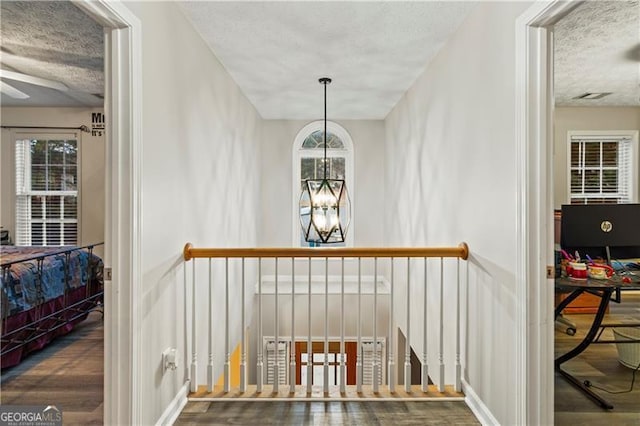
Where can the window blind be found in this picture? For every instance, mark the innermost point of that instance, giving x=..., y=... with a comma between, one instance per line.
x=367, y=362
x=283, y=362
x=46, y=192
x=600, y=169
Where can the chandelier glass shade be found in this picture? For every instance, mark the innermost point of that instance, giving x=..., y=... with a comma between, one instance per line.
x=325, y=209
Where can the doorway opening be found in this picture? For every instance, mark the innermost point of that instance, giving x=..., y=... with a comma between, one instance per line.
x=335, y=357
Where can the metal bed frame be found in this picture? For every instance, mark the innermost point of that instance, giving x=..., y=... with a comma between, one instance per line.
x=68, y=314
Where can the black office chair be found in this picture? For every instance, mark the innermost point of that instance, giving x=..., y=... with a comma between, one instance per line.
x=5, y=238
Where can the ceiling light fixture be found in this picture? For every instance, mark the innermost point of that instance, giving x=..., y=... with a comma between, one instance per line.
x=324, y=203
x=11, y=91
x=38, y=81
x=590, y=96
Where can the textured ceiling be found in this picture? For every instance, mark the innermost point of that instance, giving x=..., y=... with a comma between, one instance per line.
x=597, y=49
x=373, y=51
x=276, y=51
x=56, y=41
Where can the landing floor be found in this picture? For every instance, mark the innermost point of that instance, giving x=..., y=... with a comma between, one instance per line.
x=393, y=413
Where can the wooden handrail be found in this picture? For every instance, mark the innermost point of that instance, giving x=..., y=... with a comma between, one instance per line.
x=462, y=251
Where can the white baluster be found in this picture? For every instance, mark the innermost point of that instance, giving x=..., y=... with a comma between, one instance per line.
x=375, y=365
x=326, y=327
x=227, y=344
x=292, y=361
x=276, y=364
x=458, y=386
x=210, y=333
x=193, y=385
x=425, y=355
x=441, y=349
x=392, y=364
x=243, y=356
x=407, y=346
x=186, y=319
x=359, y=356
x=466, y=301
x=309, y=349
x=343, y=371
x=259, y=364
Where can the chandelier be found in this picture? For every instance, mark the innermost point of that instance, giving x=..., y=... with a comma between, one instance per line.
x=324, y=203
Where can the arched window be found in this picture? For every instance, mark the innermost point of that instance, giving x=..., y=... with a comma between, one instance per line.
x=308, y=163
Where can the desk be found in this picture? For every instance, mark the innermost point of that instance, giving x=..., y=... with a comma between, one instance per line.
x=603, y=289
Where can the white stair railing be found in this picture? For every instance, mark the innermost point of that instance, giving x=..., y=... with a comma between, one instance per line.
x=380, y=364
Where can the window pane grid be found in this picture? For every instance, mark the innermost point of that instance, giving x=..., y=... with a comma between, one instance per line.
x=316, y=140
x=313, y=168
x=599, y=170
x=47, y=192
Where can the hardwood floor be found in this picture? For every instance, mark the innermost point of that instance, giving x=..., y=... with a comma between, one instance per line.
x=327, y=413
x=598, y=364
x=73, y=380
x=68, y=374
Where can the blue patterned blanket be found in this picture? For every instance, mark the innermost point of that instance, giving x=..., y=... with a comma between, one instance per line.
x=32, y=282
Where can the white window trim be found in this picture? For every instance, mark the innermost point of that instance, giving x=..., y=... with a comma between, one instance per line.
x=347, y=153
x=633, y=134
x=48, y=135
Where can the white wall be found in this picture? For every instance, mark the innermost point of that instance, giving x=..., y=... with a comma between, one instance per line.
x=200, y=183
x=583, y=118
x=367, y=191
x=91, y=171
x=450, y=176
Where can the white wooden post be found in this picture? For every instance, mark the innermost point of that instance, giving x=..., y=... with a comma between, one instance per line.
x=407, y=346
x=227, y=344
x=425, y=345
x=276, y=364
x=458, y=384
x=210, y=383
x=259, y=364
x=193, y=381
x=391, y=364
x=343, y=371
x=375, y=365
x=309, y=349
x=326, y=327
x=441, y=348
x=359, y=356
x=292, y=359
x=243, y=356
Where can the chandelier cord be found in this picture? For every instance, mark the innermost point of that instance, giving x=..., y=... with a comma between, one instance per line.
x=325, y=131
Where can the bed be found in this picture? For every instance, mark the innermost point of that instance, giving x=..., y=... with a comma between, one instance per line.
x=45, y=292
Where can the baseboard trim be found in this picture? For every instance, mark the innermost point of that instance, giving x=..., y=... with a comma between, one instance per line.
x=175, y=407
x=479, y=409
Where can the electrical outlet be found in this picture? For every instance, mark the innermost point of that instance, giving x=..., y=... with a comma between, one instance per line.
x=169, y=359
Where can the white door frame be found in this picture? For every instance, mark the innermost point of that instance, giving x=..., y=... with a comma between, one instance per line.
x=534, y=141
x=123, y=101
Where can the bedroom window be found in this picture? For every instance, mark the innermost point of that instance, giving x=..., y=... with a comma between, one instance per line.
x=602, y=168
x=308, y=163
x=47, y=191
